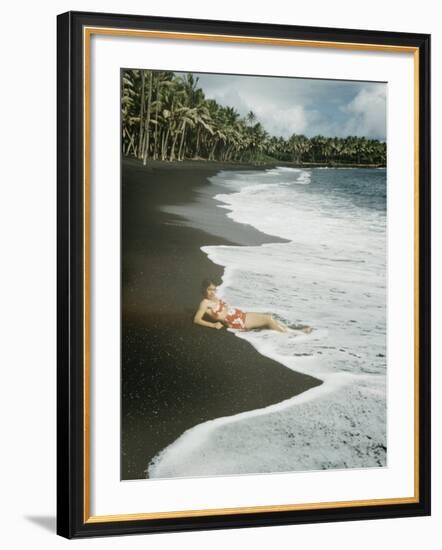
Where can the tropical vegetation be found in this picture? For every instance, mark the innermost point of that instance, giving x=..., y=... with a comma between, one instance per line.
x=166, y=116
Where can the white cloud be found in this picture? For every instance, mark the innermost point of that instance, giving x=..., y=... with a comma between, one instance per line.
x=367, y=113
x=277, y=120
x=231, y=98
x=304, y=106
x=283, y=122
x=320, y=124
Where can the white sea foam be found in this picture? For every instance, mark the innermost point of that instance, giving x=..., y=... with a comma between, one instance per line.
x=337, y=425
x=330, y=275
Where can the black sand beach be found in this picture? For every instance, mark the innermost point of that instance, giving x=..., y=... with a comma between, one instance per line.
x=175, y=374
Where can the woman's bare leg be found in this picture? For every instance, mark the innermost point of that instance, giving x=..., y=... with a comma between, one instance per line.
x=263, y=320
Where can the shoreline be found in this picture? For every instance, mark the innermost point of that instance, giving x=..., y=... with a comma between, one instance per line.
x=343, y=419
x=257, y=165
x=176, y=375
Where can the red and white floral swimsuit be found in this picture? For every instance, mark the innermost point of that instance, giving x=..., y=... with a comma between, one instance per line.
x=235, y=318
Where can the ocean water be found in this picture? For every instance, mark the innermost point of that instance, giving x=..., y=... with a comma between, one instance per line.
x=331, y=275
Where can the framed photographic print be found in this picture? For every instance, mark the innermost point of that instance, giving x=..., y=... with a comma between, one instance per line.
x=243, y=274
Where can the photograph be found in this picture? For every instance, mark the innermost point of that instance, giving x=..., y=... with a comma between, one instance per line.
x=220, y=219
x=253, y=274
x=243, y=274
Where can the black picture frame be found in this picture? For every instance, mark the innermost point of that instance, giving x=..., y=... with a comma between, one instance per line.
x=73, y=518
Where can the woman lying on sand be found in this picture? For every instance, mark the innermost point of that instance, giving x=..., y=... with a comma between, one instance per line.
x=224, y=315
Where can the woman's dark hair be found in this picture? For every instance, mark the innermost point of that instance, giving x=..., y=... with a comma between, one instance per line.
x=205, y=285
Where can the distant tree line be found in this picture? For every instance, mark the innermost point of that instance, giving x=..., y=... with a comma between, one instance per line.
x=167, y=117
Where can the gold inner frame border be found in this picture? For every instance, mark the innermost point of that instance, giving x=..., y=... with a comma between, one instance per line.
x=87, y=34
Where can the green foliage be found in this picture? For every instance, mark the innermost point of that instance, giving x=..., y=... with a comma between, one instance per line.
x=168, y=117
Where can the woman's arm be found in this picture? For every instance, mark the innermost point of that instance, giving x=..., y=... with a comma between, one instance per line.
x=198, y=318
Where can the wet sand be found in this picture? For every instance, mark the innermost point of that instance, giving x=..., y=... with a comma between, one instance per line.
x=175, y=374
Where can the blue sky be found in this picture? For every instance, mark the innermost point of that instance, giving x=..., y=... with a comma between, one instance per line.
x=304, y=106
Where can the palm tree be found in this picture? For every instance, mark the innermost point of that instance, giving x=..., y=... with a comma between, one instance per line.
x=143, y=82
x=130, y=111
x=168, y=117
x=147, y=121
x=251, y=117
